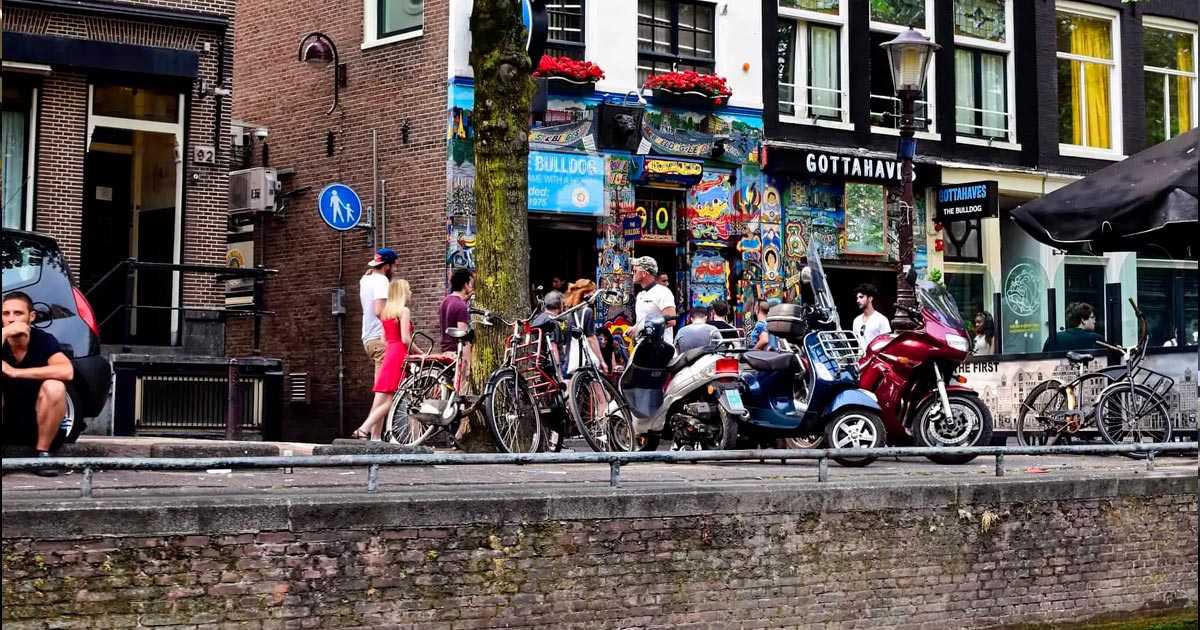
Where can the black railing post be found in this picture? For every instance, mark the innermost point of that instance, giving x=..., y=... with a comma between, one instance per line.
x=1052, y=320
x=233, y=411
x=998, y=322
x=130, y=278
x=258, y=296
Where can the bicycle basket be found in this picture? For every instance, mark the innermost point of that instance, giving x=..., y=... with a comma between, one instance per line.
x=1156, y=382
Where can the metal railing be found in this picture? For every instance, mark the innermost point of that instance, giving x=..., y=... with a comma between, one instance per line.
x=614, y=460
x=132, y=266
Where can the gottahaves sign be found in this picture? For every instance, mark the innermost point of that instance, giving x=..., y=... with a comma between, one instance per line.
x=963, y=202
x=828, y=165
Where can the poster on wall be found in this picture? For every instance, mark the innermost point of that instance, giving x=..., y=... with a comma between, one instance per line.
x=565, y=183
x=709, y=210
x=657, y=218
x=1023, y=308
x=866, y=219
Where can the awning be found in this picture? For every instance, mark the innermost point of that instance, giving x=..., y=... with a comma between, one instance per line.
x=87, y=54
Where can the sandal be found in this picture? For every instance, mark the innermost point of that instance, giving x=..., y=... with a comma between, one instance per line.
x=359, y=434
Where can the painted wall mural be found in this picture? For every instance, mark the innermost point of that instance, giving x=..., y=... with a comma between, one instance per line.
x=460, y=189
x=710, y=210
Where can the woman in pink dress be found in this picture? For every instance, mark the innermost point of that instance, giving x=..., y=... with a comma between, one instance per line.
x=397, y=334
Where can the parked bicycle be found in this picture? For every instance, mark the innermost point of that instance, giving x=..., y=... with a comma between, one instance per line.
x=430, y=399
x=1126, y=403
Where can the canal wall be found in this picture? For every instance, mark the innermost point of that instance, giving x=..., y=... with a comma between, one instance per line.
x=979, y=553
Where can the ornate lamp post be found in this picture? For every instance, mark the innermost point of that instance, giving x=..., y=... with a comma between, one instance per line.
x=319, y=50
x=909, y=55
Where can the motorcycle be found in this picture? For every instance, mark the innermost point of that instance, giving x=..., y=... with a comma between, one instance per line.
x=911, y=373
x=702, y=400
x=811, y=387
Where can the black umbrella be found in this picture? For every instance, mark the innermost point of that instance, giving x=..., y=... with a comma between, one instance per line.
x=1145, y=201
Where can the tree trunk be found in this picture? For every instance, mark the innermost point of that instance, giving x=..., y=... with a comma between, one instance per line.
x=503, y=91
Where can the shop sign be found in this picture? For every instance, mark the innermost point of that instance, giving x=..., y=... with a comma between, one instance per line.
x=566, y=183
x=678, y=142
x=631, y=229
x=667, y=170
x=964, y=202
x=575, y=135
x=657, y=221
x=1023, y=307
x=829, y=165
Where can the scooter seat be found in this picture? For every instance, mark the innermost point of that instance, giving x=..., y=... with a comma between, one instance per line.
x=686, y=359
x=772, y=361
x=1079, y=357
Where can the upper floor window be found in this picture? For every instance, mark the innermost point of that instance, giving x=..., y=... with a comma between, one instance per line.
x=566, y=36
x=17, y=137
x=1088, y=80
x=983, y=70
x=811, y=52
x=386, y=21
x=889, y=18
x=675, y=35
x=1170, y=57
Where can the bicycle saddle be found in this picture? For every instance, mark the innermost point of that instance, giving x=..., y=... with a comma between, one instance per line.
x=1079, y=357
x=457, y=333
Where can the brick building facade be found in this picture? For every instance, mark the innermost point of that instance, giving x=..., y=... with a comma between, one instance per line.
x=105, y=106
x=394, y=106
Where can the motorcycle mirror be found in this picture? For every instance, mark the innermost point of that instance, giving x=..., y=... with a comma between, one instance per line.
x=612, y=298
x=806, y=275
x=43, y=316
x=910, y=277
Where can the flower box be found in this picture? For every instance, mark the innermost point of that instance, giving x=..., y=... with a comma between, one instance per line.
x=689, y=89
x=686, y=100
x=563, y=85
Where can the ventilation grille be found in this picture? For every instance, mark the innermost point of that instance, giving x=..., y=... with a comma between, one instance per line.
x=194, y=403
x=298, y=387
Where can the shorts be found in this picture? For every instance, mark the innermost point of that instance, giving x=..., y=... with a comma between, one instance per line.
x=376, y=349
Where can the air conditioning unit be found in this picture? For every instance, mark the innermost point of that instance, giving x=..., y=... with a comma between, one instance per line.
x=253, y=190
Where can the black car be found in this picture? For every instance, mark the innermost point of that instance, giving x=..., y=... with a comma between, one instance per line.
x=33, y=264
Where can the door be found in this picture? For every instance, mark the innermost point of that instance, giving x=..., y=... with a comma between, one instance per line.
x=107, y=223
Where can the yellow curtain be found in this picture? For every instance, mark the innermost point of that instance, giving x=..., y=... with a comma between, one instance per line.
x=1184, y=84
x=1091, y=38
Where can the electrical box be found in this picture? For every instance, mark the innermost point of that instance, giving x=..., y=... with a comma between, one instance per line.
x=253, y=190
x=338, y=302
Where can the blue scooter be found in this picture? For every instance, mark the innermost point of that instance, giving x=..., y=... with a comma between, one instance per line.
x=810, y=386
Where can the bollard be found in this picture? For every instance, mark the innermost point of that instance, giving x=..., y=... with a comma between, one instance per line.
x=823, y=469
x=287, y=453
x=614, y=473
x=1000, y=464
x=233, y=410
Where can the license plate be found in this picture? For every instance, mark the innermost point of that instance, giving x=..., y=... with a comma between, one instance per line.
x=734, y=398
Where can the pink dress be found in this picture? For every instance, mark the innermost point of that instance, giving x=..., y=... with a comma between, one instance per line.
x=392, y=370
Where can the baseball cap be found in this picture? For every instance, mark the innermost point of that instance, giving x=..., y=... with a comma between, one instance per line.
x=647, y=263
x=383, y=256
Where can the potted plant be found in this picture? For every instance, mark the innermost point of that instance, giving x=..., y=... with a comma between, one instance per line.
x=689, y=89
x=569, y=76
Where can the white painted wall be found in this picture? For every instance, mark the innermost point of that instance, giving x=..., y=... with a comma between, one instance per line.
x=611, y=37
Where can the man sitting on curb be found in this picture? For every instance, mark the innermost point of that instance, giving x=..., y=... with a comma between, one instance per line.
x=35, y=374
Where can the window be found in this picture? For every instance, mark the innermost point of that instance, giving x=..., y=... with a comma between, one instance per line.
x=675, y=35
x=811, y=50
x=964, y=241
x=1167, y=294
x=967, y=290
x=1170, y=55
x=565, y=38
x=387, y=21
x=1084, y=283
x=889, y=18
x=16, y=153
x=1088, y=81
x=135, y=103
x=981, y=70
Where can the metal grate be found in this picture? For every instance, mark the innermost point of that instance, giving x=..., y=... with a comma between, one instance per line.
x=194, y=403
x=840, y=346
x=298, y=387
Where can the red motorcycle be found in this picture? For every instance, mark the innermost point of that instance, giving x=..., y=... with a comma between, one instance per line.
x=912, y=374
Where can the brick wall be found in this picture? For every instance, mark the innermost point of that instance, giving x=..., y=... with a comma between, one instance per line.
x=62, y=130
x=386, y=85
x=916, y=557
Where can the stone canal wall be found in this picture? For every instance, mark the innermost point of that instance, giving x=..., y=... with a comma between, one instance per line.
x=976, y=554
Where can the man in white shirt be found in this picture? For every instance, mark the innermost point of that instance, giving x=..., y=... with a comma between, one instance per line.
x=372, y=294
x=654, y=297
x=871, y=323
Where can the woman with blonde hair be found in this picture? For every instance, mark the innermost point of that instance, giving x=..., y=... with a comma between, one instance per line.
x=583, y=319
x=397, y=335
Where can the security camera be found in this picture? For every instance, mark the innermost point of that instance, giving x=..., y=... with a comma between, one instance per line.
x=260, y=133
x=221, y=91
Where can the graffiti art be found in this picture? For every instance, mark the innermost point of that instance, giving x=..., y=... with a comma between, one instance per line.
x=709, y=210
x=771, y=255
x=703, y=295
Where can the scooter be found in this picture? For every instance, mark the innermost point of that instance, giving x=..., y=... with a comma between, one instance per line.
x=911, y=373
x=811, y=386
x=693, y=398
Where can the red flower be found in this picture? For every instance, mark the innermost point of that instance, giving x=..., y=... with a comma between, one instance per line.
x=568, y=68
x=692, y=81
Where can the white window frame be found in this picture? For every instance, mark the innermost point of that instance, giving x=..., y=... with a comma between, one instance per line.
x=371, y=27
x=1005, y=48
x=1187, y=28
x=803, y=18
x=1115, y=93
x=931, y=132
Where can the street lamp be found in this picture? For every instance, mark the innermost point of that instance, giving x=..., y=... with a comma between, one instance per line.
x=318, y=49
x=909, y=56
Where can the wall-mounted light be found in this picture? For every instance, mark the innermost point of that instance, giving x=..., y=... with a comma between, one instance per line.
x=405, y=128
x=318, y=49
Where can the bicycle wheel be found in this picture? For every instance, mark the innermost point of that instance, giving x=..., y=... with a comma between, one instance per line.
x=605, y=426
x=512, y=414
x=399, y=427
x=1033, y=427
x=1133, y=415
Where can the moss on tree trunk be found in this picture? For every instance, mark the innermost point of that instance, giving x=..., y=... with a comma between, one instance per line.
x=503, y=91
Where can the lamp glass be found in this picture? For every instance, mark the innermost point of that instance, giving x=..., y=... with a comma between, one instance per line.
x=318, y=52
x=909, y=55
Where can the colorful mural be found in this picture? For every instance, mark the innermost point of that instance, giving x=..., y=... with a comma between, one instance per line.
x=710, y=210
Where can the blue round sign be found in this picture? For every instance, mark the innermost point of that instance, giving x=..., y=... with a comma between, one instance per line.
x=340, y=207
x=527, y=21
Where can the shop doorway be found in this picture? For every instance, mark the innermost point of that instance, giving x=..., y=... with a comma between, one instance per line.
x=561, y=247
x=668, y=263
x=129, y=211
x=844, y=281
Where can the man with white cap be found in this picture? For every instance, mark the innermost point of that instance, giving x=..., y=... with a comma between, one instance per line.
x=372, y=294
x=654, y=297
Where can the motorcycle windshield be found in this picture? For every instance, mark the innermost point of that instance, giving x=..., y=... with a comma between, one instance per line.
x=820, y=284
x=940, y=306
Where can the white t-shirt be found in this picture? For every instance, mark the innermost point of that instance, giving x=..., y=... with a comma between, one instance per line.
x=372, y=286
x=868, y=328
x=656, y=299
